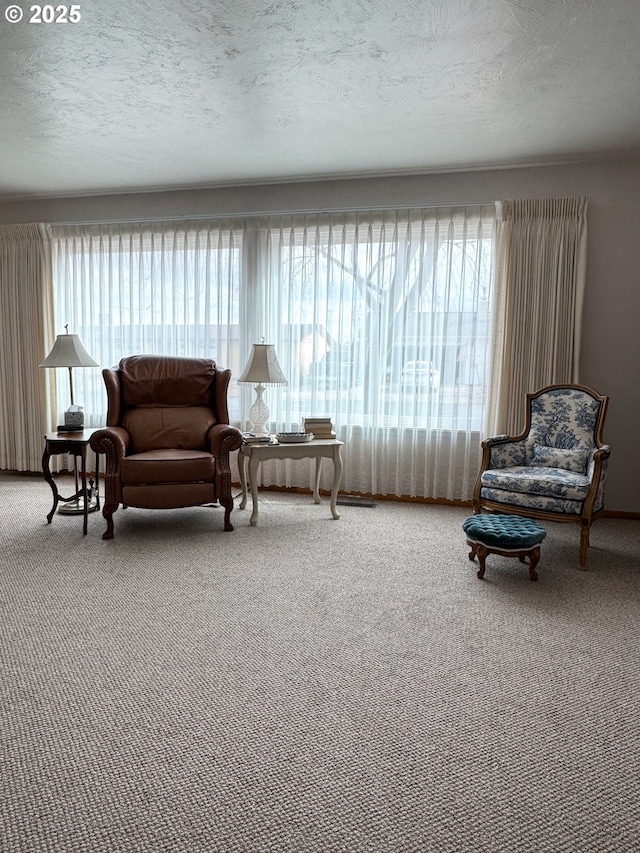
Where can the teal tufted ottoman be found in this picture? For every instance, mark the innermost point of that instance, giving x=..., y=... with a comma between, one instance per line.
x=507, y=535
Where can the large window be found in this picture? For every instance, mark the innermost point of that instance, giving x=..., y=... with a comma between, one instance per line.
x=384, y=320
x=381, y=320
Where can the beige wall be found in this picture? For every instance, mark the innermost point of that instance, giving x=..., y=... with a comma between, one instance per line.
x=610, y=358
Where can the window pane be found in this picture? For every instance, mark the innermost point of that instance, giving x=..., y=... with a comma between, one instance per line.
x=386, y=322
x=132, y=290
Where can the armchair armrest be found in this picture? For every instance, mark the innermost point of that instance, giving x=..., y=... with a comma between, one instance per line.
x=223, y=439
x=113, y=442
x=495, y=439
x=503, y=451
x=597, y=460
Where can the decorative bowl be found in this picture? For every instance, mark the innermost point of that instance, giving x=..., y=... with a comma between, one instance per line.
x=294, y=437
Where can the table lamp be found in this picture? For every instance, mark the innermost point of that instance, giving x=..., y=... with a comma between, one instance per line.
x=69, y=352
x=263, y=368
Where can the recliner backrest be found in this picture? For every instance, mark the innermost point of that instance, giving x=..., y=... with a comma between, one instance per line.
x=166, y=402
x=155, y=380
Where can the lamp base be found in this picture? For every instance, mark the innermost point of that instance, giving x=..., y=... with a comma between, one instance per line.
x=75, y=506
x=259, y=413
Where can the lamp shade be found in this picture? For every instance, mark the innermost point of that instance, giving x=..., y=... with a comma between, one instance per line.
x=68, y=352
x=263, y=367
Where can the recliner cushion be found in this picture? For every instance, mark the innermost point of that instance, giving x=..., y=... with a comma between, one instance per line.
x=167, y=466
x=159, y=428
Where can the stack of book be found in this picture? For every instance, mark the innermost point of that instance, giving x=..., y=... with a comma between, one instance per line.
x=320, y=427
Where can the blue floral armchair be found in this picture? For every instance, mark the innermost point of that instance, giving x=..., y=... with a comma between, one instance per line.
x=556, y=469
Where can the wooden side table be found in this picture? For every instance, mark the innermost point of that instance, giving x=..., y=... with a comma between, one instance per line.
x=85, y=500
x=251, y=455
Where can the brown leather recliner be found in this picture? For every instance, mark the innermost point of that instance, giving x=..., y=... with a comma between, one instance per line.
x=168, y=438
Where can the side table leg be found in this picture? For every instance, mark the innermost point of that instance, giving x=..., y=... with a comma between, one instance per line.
x=242, y=468
x=253, y=485
x=46, y=470
x=316, y=488
x=85, y=494
x=337, y=477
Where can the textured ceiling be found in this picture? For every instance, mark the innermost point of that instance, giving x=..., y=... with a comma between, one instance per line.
x=178, y=93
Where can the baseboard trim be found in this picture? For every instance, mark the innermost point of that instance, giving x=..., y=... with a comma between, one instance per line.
x=620, y=513
x=301, y=490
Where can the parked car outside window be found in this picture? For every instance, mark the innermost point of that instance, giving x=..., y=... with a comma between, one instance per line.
x=419, y=375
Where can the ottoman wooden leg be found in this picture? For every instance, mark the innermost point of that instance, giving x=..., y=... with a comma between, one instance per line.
x=534, y=559
x=472, y=552
x=482, y=556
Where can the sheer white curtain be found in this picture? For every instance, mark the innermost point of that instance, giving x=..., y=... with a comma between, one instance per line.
x=383, y=321
x=165, y=287
x=541, y=273
x=27, y=402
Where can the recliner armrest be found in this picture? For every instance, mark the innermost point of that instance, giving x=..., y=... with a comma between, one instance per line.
x=223, y=439
x=113, y=442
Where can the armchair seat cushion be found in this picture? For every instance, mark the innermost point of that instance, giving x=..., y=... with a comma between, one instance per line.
x=541, y=503
x=167, y=466
x=548, y=482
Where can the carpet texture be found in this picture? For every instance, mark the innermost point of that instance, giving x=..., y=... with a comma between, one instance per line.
x=311, y=685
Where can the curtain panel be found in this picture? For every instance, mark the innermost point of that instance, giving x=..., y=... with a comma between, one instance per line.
x=541, y=274
x=27, y=394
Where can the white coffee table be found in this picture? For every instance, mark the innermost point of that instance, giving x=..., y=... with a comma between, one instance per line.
x=251, y=455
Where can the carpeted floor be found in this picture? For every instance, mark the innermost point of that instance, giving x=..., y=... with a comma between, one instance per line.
x=313, y=686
